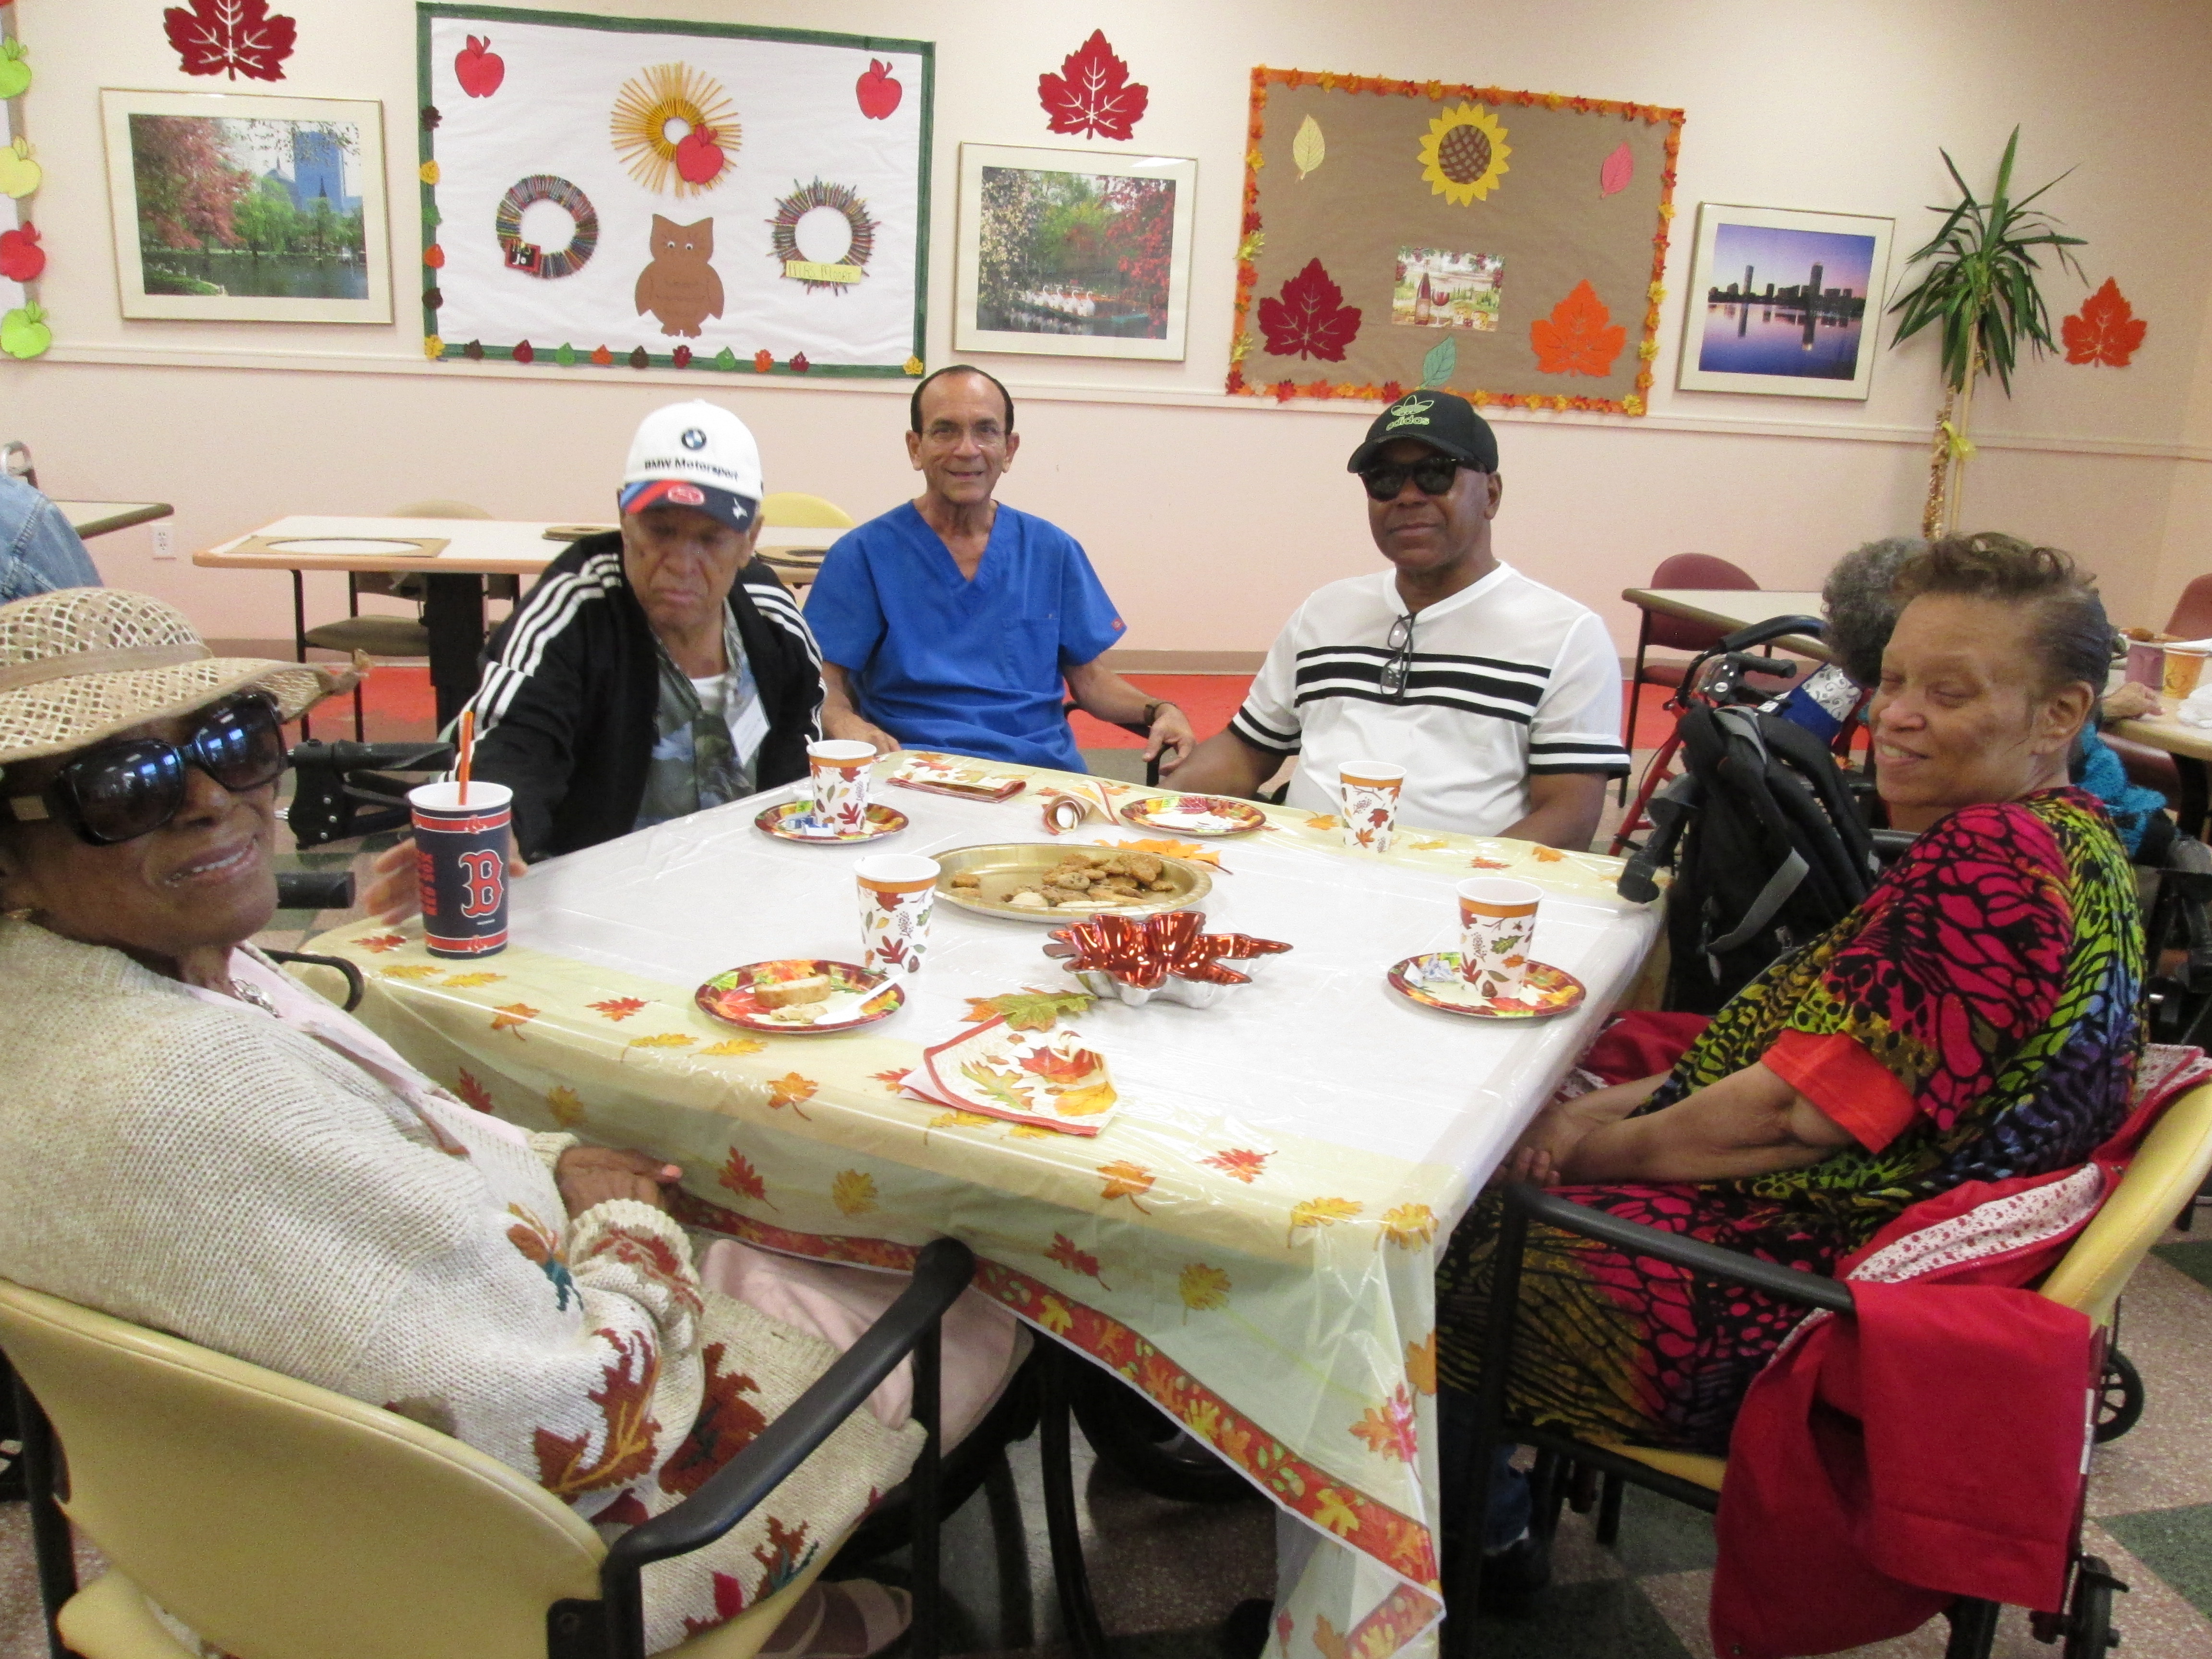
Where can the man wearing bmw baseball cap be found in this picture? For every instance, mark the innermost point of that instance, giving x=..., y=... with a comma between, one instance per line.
x=1500, y=697
x=657, y=669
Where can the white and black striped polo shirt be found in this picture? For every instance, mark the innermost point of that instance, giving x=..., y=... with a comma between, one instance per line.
x=1507, y=678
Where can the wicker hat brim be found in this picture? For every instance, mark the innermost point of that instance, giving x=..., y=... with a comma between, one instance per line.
x=55, y=716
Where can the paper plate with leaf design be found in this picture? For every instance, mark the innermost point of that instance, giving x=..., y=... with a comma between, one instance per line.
x=1196, y=815
x=1434, y=981
x=794, y=820
x=839, y=996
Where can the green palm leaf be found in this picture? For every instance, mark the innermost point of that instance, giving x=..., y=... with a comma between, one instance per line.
x=1979, y=291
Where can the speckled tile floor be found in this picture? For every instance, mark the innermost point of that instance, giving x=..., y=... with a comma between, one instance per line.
x=1166, y=1575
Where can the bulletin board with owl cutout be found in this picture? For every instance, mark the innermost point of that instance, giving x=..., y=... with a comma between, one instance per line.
x=1509, y=246
x=632, y=192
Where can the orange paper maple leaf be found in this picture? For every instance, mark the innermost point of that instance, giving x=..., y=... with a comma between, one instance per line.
x=510, y=1015
x=790, y=1089
x=617, y=1008
x=1389, y=1428
x=1126, y=1180
x=1064, y=1251
x=1239, y=1163
x=2105, y=329
x=1579, y=336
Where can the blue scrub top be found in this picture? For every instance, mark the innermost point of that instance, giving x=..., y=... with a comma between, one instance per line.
x=970, y=665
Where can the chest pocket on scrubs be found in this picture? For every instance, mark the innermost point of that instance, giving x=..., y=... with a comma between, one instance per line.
x=1028, y=650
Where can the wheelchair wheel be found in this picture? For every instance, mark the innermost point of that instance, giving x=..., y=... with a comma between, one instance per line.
x=2089, y=1633
x=2119, y=1397
x=1143, y=1443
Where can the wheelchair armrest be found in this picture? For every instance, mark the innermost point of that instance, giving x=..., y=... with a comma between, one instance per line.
x=356, y=987
x=942, y=1272
x=1706, y=1260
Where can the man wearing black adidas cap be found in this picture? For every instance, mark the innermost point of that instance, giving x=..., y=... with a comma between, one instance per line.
x=1500, y=697
x=657, y=669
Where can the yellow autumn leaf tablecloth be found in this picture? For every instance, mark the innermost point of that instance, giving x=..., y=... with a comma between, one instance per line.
x=1252, y=1240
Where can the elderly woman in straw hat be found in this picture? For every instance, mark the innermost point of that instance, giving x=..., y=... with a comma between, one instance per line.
x=192, y=1140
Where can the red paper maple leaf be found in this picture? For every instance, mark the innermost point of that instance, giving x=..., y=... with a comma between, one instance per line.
x=1310, y=318
x=230, y=37
x=1575, y=338
x=1092, y=94
x=2105, y=329
x=741, y=1178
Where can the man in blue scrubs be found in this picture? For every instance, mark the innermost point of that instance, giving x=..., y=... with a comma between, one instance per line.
x=951, y=623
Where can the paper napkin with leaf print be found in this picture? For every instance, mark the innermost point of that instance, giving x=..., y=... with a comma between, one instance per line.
x=1053, y=1080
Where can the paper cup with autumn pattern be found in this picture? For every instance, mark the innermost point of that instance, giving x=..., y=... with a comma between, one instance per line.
x=897, y=892
x=1497, y=921
x=1367, y=801
x=839, y=768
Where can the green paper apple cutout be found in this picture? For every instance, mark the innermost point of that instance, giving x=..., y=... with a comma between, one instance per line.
x=19, y=173
x=14, y=73
x=24, y=333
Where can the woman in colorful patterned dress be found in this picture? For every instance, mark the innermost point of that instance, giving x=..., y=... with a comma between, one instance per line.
x=1976, y=1018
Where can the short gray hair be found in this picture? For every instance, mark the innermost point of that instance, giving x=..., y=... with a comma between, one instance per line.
x=1860, y=611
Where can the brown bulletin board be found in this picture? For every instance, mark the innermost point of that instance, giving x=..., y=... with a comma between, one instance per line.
x=1506, y=245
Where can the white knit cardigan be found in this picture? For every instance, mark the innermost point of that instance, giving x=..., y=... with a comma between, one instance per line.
x=199, y=1166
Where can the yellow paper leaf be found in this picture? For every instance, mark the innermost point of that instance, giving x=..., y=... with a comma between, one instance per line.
x=1409, y=1225
x=567, y=1110
x=1323, y=1211
x=1307, y=149
x=512, y=1014
x=1421, y=1363
x=411, y=971
x=1323, y=821
x=961, y=1120
x=1545, y=854
x=466, y=981
x=1202, y=1287
x=790, y=1089
x=1126, y=1180
x=853, y=1192
x=663, y=1039
x=1332, y=1512
x=1172, y=849
x=734, y=1046
x=1425, y=846
x=1087, y=1102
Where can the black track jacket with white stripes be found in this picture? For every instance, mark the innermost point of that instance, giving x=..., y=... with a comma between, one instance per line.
x=565, y=711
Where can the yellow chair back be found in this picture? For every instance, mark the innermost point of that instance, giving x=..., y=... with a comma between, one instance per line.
x=791, y=509
x=276, y=1517
x=2162, y=1181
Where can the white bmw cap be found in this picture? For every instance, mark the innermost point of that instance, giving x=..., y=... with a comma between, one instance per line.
x=696, y=454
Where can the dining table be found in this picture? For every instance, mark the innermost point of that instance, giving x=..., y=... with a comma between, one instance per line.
x=1251, y=1240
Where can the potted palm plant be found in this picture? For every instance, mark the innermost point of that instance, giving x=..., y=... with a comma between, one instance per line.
x=1979, y=291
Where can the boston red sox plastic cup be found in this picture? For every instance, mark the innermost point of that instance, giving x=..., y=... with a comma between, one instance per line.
x=460, y=866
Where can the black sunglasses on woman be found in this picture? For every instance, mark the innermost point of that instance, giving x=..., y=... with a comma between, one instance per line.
x=116, y=792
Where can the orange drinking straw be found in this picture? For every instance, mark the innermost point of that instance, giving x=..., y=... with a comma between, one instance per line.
x=468, y=750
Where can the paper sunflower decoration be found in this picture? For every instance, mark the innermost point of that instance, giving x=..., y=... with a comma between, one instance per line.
x=1464, y=154
x=674, y=129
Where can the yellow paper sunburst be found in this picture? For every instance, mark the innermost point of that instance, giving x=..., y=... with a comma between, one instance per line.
x=1464, y=154
x=646, y=107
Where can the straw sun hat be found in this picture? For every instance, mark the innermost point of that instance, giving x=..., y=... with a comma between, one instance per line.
x=84, y=663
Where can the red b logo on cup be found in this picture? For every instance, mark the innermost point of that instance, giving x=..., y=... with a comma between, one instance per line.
x=460, y=863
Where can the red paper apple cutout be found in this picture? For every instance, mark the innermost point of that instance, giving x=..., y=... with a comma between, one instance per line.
x=879, y=93
x=698, y=157
x=479, y=67
x=21, y=259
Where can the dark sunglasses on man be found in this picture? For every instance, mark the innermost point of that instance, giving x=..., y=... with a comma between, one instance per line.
x=1432, y=475
x=117, y=791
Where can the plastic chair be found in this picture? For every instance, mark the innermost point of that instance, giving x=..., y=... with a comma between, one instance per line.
x=1676, y=633
x=2168, y=1168
x=277, y=1517
x=790, y=509
x=381, y=637
x=2192, y=611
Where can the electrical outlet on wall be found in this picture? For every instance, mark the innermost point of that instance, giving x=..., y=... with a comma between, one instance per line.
x=165, y=542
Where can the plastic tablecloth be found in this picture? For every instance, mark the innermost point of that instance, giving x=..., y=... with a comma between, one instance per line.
x=1252, y=1240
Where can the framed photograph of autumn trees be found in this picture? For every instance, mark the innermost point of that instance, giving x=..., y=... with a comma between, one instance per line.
x=243, y=209
x=1072, y=253
x=1507, y=245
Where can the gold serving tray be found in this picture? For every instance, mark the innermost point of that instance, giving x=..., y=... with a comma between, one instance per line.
x=1008, y=866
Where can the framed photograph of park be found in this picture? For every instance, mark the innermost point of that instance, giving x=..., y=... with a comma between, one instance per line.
x=1783, y=303
x=1074, y=253
x=231, y=208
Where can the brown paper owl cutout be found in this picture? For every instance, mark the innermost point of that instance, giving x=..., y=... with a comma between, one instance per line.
x=681, y=286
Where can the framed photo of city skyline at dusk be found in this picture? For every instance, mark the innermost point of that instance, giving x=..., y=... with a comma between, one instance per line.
x=1783, y=303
